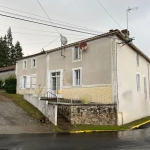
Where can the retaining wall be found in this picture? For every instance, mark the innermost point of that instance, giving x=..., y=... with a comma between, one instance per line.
x=95, y=114
x=49, y=110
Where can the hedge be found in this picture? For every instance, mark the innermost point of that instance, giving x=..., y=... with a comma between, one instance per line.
x=10, y=85
x=1, y=82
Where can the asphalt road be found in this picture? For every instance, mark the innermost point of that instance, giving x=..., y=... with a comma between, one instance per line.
x=138, y=139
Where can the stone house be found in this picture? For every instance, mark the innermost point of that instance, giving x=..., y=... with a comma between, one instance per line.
x=111, y=77
x=5, y=72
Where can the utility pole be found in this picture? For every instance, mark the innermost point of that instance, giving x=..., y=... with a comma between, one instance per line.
x=128, y=10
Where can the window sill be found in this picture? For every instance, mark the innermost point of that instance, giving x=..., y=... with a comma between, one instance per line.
x=77, y=60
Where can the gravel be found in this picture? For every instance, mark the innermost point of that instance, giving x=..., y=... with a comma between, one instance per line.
x=14, y=120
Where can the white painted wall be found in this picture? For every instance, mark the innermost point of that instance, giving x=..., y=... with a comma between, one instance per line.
x=132, y=103
x=49, y=110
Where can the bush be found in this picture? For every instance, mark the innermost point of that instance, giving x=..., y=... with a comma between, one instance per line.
x=1, y=82
x=10, y=85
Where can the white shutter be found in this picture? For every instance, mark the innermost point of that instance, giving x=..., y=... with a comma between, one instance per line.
x=33, y=81
x=20, y=83
x=28, y=82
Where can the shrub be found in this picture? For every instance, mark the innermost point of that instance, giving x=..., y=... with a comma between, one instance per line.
x=10, y=85
x=1, y=82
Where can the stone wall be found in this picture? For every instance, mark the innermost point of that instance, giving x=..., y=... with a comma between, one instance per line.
x=101, y=94
x=96, y=114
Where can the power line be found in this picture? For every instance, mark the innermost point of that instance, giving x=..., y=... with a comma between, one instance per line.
x=34, y=34
x=27, y=17
x=48, y=44
x=80, y=27
x=109, y=14
x=48, y=17
x=47, y=24
x=38, y=19
x=40, y=30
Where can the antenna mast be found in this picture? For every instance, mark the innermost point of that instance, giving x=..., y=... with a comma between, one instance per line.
x=128, y=10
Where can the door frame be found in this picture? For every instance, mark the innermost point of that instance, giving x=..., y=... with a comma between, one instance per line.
x=50, y=81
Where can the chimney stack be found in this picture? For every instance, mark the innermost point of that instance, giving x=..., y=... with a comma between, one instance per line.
x=126, y=33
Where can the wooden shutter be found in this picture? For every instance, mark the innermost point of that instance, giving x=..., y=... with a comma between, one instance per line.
x=33, y=81
x=28, y=83
x=20, y=83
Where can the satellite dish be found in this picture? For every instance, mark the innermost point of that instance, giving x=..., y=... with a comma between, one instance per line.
x=63, y=40
x=83, y=45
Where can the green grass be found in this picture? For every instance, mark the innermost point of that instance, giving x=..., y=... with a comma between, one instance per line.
x=29, y=108
x=37, y=115
x=113, y=128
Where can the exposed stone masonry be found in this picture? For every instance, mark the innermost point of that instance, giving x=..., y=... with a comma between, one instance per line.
x=96, y=114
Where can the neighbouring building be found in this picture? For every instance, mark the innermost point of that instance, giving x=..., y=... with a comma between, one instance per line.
x=112, y=71
x=5, y=72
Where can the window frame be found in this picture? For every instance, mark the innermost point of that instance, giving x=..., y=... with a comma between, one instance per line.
x=79, y=54
x=74, y=76
x=24, y=68
x=32, y=62
x=24, y=82
x=145, y=86
x=137, y=59
x=138, y=81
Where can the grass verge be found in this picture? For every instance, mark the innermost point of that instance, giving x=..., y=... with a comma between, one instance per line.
x=37, y=115
x=29, y=108
x=111, y=128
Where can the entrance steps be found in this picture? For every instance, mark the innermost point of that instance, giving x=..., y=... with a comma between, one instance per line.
x=63, y=123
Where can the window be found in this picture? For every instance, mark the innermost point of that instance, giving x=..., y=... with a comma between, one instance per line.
x=24, y=64
x=145, y=87
x=77, y=77
x=27, y=82
x=137, y=59
x=24, y=82
x=138, y=81
x=33, y=63
x=76, y=53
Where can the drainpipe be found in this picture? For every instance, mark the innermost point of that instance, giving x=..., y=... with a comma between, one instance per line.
x=117, y=101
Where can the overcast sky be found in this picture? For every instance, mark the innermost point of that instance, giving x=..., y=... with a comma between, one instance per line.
x=85, y=13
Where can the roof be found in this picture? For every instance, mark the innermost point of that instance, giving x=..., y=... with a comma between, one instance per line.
x=42, y=52
x=111, y=33
x=8, y=68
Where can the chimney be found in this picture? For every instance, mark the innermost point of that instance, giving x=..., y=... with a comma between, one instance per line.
x=126, y=33
x=111, y=30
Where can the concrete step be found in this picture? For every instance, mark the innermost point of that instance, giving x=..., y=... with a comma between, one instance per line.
x=51, y=99
x=63, y=123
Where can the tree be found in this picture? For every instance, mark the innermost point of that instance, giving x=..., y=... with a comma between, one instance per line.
x=18, y=49
x=4, y=58
x=9, y=38
x=9, y=52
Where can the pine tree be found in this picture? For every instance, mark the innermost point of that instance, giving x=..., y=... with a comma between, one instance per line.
x=18, y=49
x=4, y=61
x=9, y=52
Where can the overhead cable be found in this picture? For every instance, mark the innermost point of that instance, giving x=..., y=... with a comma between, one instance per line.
x=109, y=13
x=47, y=24
x=79, y=27
x=48, y=17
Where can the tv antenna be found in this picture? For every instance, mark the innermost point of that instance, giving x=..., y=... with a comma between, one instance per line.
x=128, y=11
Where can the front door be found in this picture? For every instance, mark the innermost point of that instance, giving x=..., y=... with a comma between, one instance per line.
x=55, y=82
